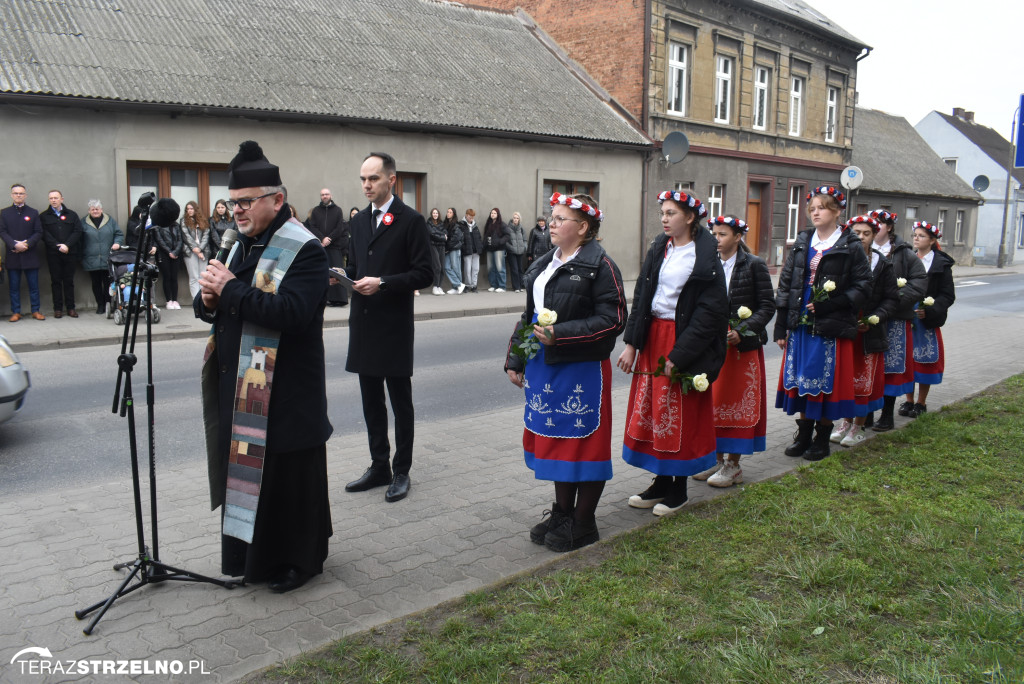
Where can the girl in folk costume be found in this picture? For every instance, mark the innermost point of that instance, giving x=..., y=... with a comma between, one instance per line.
x=559, y=354
x=870, y=344
x=739, y=392
x=675, y=346
x=929, y=354
x=825, y=281
x=911, y=281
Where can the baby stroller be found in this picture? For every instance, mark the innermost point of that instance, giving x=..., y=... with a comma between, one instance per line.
x=121, y=264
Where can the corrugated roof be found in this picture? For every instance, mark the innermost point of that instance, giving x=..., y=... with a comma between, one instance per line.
x=988, y=141
x=403, y=61
x=896, y=159
x=804, y=13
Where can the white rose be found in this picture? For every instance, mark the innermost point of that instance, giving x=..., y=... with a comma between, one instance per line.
x=546, y=317
x=829, y=286
x=743, y=312
x=700, y=382
x=900, y=282
x=873, y=320
x=928, y=301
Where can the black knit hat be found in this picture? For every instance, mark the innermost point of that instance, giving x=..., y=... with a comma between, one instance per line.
x=250, y=169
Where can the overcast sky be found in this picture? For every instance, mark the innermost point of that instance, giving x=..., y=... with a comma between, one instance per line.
x=937, y=54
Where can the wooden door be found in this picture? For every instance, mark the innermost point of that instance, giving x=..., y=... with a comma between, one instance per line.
x=754, y=195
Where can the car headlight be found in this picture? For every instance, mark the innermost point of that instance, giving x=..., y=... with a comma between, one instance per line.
x=6, y=357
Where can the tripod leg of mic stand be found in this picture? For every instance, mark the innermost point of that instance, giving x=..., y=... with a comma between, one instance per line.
x=172, y=573
x=80, y=614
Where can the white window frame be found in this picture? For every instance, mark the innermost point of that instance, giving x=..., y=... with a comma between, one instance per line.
x=797, y=87
x=831, y=114
x=1020, y=231
x=761, y=88
x=724, y=69
x=951, y=162
x=911, y=214
x=958, y=228
x=682, y=186
x=940, y=222
x=716, y=199
x=678, y=73
x=796, y=193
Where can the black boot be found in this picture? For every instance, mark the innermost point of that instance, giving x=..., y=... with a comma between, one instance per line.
x=869, y=420
x=802, y=439
x=820, y=448
x=885, y=421
x=538, y=531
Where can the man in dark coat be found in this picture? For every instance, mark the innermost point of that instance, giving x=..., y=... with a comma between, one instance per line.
x=62, y=232
x=21, y=232
x=327, y=222
x=389, y=258
x=273, y=450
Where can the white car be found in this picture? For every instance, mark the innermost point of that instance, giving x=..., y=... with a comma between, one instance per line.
x=14, y=382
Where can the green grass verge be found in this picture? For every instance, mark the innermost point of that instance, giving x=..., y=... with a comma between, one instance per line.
x=898, y=561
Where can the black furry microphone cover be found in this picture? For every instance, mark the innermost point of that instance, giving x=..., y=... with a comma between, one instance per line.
x=165, y=212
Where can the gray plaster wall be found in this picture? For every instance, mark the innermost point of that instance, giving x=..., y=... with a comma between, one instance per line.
x=85, y=152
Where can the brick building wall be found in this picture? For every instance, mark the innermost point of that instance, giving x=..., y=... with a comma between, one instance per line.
x=605, y=37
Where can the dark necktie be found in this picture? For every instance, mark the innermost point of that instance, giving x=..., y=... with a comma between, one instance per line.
x=376, y=213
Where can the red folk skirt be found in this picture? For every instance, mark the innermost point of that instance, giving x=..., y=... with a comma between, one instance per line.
x=667, y=432
x=740, y=401
x=868, y=378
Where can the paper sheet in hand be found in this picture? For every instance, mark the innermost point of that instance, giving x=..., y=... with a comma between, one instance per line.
x=340, y=275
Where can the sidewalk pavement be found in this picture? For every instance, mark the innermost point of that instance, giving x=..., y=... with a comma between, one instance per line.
x=464, y=526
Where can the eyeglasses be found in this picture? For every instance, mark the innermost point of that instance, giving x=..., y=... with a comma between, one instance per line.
x=559, y=220
x=245, y=203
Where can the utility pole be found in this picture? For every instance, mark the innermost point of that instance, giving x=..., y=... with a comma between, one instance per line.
x=1001, y=259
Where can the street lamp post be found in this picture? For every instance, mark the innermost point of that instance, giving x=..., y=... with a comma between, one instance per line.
x=1001, y=259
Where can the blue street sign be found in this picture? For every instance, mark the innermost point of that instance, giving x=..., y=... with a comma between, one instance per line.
x=1018, y=154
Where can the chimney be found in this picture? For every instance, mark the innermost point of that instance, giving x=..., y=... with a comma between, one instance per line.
x=969, y=116
x=959, y=112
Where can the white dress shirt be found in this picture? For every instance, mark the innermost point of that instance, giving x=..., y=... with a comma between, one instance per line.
x=675, y=271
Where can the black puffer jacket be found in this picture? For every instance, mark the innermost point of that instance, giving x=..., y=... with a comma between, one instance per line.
x=169, y=239
x=702, y=319
x=846, y=266
x=882, y=302
x=538, y=244
x=940, y=288
x=587, y=295
x=751, y=286
x=472, y=242
x=454, y=232
x=905, y=264
x=437, y=234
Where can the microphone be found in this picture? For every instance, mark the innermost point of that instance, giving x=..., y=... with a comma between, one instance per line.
x=165, y=212
x=227, y=239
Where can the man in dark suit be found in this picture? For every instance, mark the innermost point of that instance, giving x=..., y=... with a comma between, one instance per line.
x=62, y=231
x=21, y=231
x=327, y=221
x=389, y=258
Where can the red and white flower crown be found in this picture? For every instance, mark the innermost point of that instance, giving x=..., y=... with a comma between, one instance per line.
x=684, y=199
x=573, y=203
x=869, y=219
x=929, y=228
x=729, y=221
x=884, y=216
x=829, y=190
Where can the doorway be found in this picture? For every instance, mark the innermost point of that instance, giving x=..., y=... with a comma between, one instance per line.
x=759, y=203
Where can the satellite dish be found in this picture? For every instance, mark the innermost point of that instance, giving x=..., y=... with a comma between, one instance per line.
x=675, y=147
x=851, y=178
x=980, y=183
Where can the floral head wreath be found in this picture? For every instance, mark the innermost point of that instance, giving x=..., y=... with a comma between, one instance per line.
x=929, y=228
x=573, y=203
x=883, y=216
x=829, y=190
x=866, y=219
x=684, y=199
x=730, y=221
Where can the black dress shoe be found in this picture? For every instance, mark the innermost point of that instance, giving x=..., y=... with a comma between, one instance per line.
x=373, y=477
x=399, y=489
x=292, y=578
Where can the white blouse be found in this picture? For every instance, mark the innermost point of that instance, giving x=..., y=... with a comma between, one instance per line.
x=675, y=271
x=927, y=260
x=542, y=280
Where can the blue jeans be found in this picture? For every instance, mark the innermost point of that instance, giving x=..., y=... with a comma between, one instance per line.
x=32, y=276
x=452, y=267
x=496, y=269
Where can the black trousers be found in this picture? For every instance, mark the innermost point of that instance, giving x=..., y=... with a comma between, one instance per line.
x=100, y=287
x=62, y=279
x=437, y=262
x=337, y=294
x=375, y=412
x=169, y=276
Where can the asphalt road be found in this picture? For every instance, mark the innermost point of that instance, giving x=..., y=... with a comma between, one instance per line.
x=66, y=434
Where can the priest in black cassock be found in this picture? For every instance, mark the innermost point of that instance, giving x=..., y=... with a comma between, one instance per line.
x=264, y=385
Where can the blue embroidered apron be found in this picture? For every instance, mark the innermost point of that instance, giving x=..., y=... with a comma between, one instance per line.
x=926, y=343
x=896, y=354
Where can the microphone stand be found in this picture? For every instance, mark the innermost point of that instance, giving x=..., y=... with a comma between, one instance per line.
x=145, y=568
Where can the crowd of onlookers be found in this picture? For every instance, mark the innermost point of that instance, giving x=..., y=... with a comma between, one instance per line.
x=71, y=241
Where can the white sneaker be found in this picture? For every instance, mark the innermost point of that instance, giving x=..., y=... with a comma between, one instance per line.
x=840, y=429
x=500, y=289
x=437, y=291
x=461, y=288
x=707, y=473
x=729, y=475
x=854, y=437
x=490, y=289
